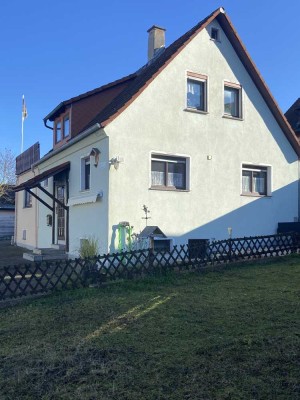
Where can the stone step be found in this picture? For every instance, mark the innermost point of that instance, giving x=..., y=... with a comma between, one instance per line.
x=48, y=251
x=45, y=257
x=61, y=247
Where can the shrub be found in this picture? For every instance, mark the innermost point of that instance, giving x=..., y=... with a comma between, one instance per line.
x=88, y=247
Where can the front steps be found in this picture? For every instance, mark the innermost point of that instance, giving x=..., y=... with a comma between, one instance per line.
x=56, y=252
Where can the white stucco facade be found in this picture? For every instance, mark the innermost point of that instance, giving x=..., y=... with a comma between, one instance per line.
x=26, y=218
x=214, y=146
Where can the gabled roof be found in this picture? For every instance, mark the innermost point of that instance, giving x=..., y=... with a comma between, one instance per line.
x=293, y=116
x=152, y=231
x=138, y=81
x=104, y=90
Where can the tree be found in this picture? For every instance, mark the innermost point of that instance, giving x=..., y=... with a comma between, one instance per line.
x=7, y=172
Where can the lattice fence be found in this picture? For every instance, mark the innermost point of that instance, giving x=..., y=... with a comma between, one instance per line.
x=22, y=280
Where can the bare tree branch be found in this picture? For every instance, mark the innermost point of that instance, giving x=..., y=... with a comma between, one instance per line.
x=7, y=171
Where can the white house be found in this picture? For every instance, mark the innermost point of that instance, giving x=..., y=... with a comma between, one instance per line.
x=195, y=135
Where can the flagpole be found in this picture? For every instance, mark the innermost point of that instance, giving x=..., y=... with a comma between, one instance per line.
x=24, y=115
x=22, y=140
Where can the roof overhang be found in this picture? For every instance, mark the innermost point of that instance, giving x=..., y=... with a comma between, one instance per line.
x=34, y=182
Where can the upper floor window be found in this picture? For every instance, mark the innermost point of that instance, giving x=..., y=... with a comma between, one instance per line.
x=168, y=172
x=196, y=92
x=255, y=180
x=85, y=173
x=27, y=199
x=66, y=130
x=62, y=128
x=233, y=100
x=57, y=128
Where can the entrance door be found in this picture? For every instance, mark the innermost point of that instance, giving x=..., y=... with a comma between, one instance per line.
x=61, y=223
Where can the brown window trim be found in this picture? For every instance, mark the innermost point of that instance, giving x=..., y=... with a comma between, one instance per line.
x=238, y=87
x=64, y=138
x=201, y=79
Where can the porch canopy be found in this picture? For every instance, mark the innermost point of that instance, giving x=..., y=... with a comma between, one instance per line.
x=35, y=181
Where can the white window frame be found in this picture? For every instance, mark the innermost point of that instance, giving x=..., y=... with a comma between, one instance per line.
x=201, y=78
x=238, y=88
x=248, y=166
x=187, y=159
x=82, y=174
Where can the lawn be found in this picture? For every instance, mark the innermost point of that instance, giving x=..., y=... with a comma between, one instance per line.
x=225, y=334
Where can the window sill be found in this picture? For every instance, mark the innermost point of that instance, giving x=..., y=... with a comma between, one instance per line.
x=166, y=189
x=227, y=116
x=27, y=206
x=84, y=190
x=256, y=195
x=193, y=110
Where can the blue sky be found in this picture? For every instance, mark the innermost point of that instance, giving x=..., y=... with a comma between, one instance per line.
x=52, y=50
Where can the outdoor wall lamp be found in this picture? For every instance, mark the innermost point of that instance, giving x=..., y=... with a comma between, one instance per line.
x=116, y=161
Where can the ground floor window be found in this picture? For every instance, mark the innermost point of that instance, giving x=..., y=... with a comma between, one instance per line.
x=255, y=180
x=168, y=172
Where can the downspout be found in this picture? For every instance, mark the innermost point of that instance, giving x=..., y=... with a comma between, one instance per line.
x=48, y=126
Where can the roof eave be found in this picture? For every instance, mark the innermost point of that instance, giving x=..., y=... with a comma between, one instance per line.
x=55, y=111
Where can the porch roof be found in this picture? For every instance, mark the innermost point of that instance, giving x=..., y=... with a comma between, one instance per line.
x=33, y=182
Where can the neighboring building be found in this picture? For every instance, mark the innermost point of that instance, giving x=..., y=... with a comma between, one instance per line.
x=195, y=135
x=7, y=213
x=293, y=117
x=27, y=206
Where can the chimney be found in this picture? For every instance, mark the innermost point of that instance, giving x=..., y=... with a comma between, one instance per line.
x=156, y=40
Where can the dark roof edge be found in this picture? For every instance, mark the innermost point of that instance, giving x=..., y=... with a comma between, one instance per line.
x=293, y=105
x=89, y=93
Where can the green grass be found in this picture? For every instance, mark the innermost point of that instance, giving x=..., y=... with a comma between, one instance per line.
x=227, y=334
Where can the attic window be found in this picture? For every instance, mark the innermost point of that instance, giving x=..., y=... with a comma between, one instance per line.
x=214, y=34
x=62, y=127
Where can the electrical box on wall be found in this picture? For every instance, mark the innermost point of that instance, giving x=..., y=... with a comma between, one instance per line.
x=49, y=220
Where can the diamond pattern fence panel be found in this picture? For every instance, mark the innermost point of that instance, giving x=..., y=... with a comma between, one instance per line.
x=22, y=280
